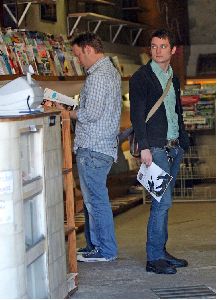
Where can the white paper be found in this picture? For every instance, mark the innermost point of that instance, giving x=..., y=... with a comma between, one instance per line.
x=6, y=212
x=154, y=179
x=6, y=182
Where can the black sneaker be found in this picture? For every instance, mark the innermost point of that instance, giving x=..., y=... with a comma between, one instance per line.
x=174, y=261
x=94, y=256
x=84, y=250
x=160, y=266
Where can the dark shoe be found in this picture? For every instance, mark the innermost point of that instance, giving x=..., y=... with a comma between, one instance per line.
x=176, y=262
x=84, y=250
x=160, y=266
x=94, y=256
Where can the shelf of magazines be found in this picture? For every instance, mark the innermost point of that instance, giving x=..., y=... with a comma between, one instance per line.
x=198, y=102
x=196, y=179
x=51, y=56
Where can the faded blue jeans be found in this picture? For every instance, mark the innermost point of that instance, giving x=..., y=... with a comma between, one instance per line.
x=157, y=230
x=93, y=168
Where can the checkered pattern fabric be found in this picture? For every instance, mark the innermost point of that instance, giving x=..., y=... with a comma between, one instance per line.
x=99, y=112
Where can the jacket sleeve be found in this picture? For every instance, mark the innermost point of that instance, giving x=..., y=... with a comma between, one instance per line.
x=179, y=109
x=183, y=135
x=138, y=101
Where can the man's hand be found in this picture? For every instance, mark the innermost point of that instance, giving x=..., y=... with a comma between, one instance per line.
x=73, y=114
x=59, y=106
x=146, y=157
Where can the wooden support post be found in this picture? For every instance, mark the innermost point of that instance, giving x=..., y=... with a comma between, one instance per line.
x=69, y=190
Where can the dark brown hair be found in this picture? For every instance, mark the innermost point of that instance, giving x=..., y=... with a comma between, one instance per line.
x=89, y=39
x=163, y=34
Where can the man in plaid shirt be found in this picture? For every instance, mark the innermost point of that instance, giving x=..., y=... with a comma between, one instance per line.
x=95, y=145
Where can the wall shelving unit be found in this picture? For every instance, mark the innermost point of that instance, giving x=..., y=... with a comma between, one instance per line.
x=74, y=19
x=196, y=181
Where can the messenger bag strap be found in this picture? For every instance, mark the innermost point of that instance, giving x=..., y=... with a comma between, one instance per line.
x=160, y=100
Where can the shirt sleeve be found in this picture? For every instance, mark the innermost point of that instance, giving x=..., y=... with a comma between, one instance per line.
x=95, y=93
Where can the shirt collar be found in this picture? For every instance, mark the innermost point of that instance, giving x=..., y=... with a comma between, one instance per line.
x=158, y=71
x=96, y=65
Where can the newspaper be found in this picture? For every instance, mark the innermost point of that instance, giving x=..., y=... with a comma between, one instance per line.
x=154, y=179
x=52, y=95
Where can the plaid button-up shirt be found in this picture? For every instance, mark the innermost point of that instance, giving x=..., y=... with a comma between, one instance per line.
x=98, y=116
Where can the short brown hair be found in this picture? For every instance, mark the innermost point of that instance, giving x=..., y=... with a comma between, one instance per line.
x=163, y=34
x=89, y=39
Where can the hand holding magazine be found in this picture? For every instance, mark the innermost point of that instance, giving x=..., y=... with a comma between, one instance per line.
x=59, y=98
x=154, y=179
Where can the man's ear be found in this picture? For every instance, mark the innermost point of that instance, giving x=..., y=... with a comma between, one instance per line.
x=150, y=51
x=89, y=49
x=173, y=50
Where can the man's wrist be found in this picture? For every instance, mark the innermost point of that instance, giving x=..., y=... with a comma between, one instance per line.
x=73, y=114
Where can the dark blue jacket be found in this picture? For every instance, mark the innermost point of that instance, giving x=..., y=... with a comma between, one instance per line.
x=144, y=91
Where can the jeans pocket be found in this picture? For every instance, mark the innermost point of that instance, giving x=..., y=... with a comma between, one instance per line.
x=100, y=160
x=156, y=150
x=176, y=151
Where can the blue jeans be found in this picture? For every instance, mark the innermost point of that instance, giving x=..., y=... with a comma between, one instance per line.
x=93, y=168
x=157, y=230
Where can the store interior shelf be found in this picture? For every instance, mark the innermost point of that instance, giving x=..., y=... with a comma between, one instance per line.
x=98, y=2
x=135, y=8
x=51, y=78
x=111, y=22
x=44, y=78
x=203, y=131
x=9, y=6
x=201, y=79
x=28, y=1
x=67, y=85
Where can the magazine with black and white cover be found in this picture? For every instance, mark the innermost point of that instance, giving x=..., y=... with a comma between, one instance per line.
x=154, y=179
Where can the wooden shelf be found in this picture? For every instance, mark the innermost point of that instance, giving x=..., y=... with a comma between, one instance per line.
x=202, y=131
x=135, y=8
x=43, y=78
x=68, y=180
x=68, y=85
x=98, y=2
x=50, y=78
x=10, y=6
x=29, y=1
x=201, y=79
x=112, y=21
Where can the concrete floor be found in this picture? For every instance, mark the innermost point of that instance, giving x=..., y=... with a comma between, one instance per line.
x=191, y=236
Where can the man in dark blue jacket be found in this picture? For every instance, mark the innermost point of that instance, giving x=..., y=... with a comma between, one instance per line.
x=162, y=140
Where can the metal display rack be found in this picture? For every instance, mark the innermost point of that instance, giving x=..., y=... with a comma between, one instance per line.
x=135, y=29
x=196, y=179
x=10, y=5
